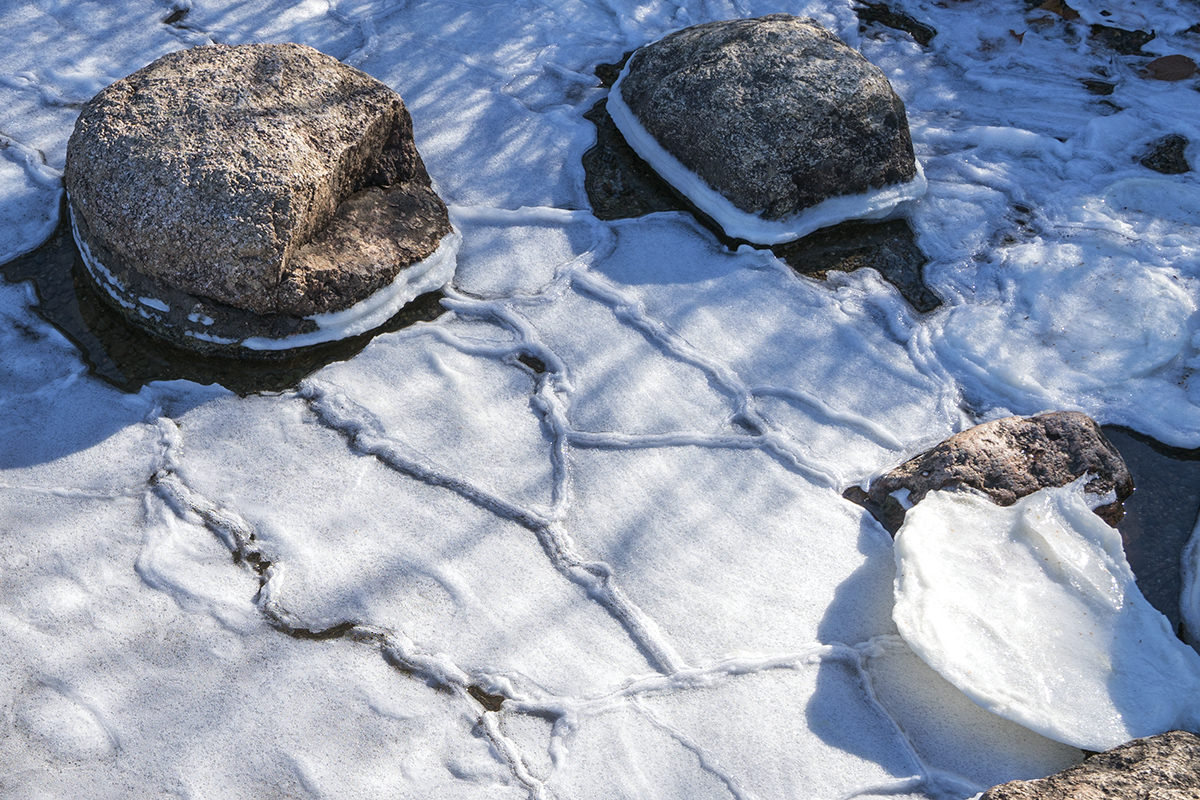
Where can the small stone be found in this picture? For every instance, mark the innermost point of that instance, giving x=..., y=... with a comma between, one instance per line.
x=1006, y=459
x=1162, y=767
x=1167, y=155
x=771, y=126
x=230, y=195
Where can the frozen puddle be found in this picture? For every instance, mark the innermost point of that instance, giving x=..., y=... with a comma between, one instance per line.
x=1032, y=611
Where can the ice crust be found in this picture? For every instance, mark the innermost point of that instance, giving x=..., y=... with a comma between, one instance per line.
x=1032, y=611
x=740, y=224
x=605, y=485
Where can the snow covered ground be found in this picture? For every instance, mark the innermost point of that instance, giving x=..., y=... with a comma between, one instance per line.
x=642, y=549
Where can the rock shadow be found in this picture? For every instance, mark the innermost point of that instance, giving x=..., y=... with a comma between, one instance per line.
x=870, y=585
x=128, y=358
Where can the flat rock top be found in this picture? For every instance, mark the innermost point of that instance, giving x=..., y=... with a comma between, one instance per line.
x=211, y=167
x=1007, y=459
x=776, y=113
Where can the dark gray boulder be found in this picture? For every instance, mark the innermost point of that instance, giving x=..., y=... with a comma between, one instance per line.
x=224, y=192
x=1167, y=154
x=1006, y=459
x=775, y=114
x=1162, y=767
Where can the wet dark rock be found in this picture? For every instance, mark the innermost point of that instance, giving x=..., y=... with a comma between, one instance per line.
x=1167, y=155
x=883, y=14
x=532, y=362
x=1162, y=767
x=776, y=114
x=1005, y=459
x=889, y=247
x=1127, y=43
x=619, y=184
x=489, y=701
x=249, y=186
x=1103, y=88
x=1159, y=515
x=1173, y=67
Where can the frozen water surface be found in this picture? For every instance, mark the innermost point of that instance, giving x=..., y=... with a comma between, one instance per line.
x=581, y=536
x=1033, y=612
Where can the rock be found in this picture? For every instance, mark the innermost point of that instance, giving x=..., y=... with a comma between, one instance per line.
x=883, y=14
x=254, y=196
x=771, y=126
x=1127, y=43
x=1006, y=459
x=1162, y=767
x=621, y=185
x=1166, y=155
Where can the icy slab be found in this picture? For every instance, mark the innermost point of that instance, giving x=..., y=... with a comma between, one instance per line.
x=768, y=729
x=137, y=663
x=361, y=528
x=631, y=387
x=839, y=373
x=1083, y=326
x=1032, y=611
x=31, y=191
x=766, y=563
x=934, y=715
x=506, y=253
x=739, y=224
x=454, y=406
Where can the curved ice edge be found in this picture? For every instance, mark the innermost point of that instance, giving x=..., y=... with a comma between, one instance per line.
x=1133, y=630
x=739, y=224
x=1189, y=601
x=418, y=278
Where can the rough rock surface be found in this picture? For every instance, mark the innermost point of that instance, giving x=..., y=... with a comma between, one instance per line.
x=1006, y=459
x=790, y=114
x=270, y=178
x=1162, y=767
x=1167, y=155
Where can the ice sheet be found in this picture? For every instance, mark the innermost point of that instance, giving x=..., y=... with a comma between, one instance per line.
x=604, y=487
x=1032, y=611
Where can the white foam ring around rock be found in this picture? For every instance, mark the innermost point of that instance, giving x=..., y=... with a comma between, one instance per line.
x=423, y=276
x=873, y=204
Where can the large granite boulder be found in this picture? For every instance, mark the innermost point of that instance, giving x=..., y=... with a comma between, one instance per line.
x=1006, y=459
x=1162, y=767
x=259, y=196
x=771, y=126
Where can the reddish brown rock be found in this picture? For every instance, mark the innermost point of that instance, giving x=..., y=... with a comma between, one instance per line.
x=1006, y=459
